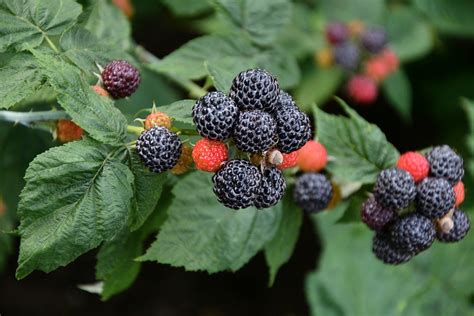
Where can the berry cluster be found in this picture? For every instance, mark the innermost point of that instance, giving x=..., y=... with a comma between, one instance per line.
x=313, y=190
x=415, y=203
x=261, y=120
x=363, y=53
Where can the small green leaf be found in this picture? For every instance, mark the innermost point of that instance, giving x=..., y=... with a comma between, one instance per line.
x=180, y=111
x=88, y=201
x=280, y=248
x=398, y=90
x=108, y=24
x=351, y=281
x=318, y=85
x=94, y=113
x=24, y=24
x=263, y=20
x=409, y=35
x=360, y=149
x=147, y=188
x=201, y=234
x=20, y=79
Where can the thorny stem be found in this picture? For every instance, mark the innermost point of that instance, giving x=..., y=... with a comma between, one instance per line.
x=28, y=118
x=151, y=62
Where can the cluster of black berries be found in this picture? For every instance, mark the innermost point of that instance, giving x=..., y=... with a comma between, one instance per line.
x=403, y=231
x=259, y=117
x=363, y=53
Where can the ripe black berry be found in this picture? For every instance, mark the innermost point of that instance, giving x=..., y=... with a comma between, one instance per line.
x=293, y=129
x=336, y=33
x=255, y=132
x=284, y=101
x=395, y=188
x=271, y=189
x=120, y=79
x=413, y=233
x=374, y=39
x=445, y=163
x=159, y=149
x=237, y=183
x=375, y=215
x=215, y=116
x=460, y=229
x=435, y=197
x=313, y=192
x=385, y=251
x=255, y=89
x=347, y=55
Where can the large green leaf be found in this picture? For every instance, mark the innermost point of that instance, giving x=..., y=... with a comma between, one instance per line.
x=409, y=35
x=263, y=20
x=189, y=60
x=398, y=90
x=201, y=234
x=20, y=79
x=223, y=71
x=86, y=51
x=88, y=201
x=282, y=64
x=351, y=281
x=280, y=248
x=25, y=23
x=94, y=113
x=107, y=23
x=180, y=111
x=345, y=10
x=186, y=7
x=453, y=17
x=360, y=149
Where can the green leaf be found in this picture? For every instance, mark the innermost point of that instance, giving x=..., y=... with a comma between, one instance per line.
x=409, y=35
x=263, y=20
x=26, y=23
x=94, y=113
x=351, y=281
x=371, y=11
x=280, y=248
x=20, y=79
x=201, y=234
x=223, y=71
x=85, y=50
x=189, y=60
x=88, y=201
x=450, y=17
x=108, y=24
x=187, y=8
x=147, y=188
x=398, y=91
x=281, y=64
x=360, y=149
x=180, y=111
x=318, y=85
x=469, y=108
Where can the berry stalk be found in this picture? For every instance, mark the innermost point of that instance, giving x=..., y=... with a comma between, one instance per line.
x=29, y=118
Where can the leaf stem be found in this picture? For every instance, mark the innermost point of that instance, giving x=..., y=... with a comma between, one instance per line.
x=27, y=118
x=137, y=130
x=152, y=62
x=51, y=44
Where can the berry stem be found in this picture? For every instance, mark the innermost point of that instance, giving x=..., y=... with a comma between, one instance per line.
x=187, y=132
x=137, y=130
x=27, y=118
x=152, y=63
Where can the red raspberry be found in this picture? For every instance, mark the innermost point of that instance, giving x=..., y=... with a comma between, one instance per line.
x=289, y=160
x=208, y=155
x=67, y=131
x=390, y=59
x=185, y=160
x=157, y=119
x=376, y=68
x=362, y=89
x=459, y=193
x=312, y=157
x=415, y=164
x=100, y=91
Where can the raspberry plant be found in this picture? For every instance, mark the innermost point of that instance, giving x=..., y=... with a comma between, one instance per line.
x=237, y=155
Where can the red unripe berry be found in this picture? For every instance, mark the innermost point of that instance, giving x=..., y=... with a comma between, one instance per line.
x=377, y=69
x=312, y=157
x=157, y=119
x=289, y=160
x=208, y=155
x=459, y=193
x=67, y=131
x=415, y=164
x=125, y=6
x=390, y=59
x=362, y=89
